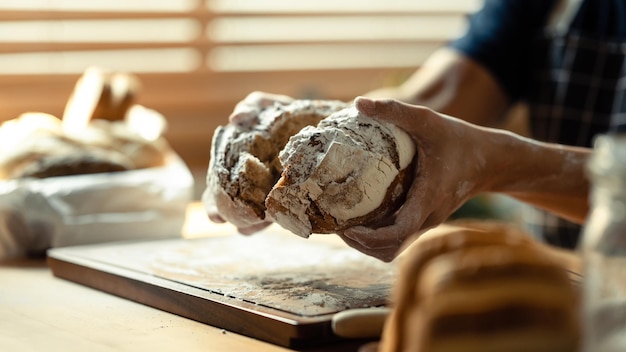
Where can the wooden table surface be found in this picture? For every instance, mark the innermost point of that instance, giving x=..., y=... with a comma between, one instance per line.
x=39, y=312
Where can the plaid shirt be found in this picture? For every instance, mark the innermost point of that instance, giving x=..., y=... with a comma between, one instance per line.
x=576, y=84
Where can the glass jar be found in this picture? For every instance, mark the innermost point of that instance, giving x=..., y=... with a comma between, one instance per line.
x=604, y=248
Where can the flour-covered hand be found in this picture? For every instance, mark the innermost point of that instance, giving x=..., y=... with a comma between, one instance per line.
x=450, y=169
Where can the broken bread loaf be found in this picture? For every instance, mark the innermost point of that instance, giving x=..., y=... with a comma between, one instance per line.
x=348, y=170
x=311, y=166
x=244, y=162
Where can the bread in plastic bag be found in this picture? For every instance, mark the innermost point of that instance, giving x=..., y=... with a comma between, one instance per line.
x=37, y=214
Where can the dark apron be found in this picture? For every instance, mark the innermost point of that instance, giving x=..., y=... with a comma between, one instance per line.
x=578, y=91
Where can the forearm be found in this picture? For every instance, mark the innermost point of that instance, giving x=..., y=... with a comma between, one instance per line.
x=549, y=176
x=453, y=84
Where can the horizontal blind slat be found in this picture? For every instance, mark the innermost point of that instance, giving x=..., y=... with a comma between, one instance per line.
x=196, y=80
x=78, y=15
x=43, y=47
x=200, y=14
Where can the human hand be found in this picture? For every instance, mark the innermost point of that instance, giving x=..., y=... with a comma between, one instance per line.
x=450, y=170
x=248, y=109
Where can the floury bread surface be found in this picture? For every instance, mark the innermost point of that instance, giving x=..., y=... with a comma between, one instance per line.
x=348, y=170
x=244, y=162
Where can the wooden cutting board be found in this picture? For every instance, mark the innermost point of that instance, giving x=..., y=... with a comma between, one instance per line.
x=271, y=286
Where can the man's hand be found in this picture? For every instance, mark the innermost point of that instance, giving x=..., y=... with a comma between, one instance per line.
x=450, y=169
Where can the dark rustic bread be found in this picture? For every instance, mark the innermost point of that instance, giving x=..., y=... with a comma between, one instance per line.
x=244, y=163
x=348, y=170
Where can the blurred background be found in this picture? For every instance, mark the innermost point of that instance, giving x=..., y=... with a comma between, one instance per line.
x=197, y=58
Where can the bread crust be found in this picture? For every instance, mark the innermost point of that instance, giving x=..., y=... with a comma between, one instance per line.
x=82, y=163
x=348, y=170
x=259, y=171
x=244, y=163
x=486, y=286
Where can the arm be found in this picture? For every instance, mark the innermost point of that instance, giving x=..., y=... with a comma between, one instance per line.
x=455, y=85
x=548, y=176
x=478, y=75
x=457, y=160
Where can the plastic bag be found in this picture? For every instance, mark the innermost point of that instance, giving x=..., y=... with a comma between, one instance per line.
x=37, y=214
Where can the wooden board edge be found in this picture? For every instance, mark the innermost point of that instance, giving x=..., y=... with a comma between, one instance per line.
x=192, y=303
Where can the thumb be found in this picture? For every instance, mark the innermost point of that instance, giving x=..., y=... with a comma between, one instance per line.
x=389, y=110
x=374, y=107
x=365, y=106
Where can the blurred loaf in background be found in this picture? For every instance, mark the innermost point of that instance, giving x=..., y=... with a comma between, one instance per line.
x=102, y=130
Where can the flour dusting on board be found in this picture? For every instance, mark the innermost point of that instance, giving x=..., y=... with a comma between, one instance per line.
x=282, y=272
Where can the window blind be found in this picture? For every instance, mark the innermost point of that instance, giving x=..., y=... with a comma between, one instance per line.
x=197, y=58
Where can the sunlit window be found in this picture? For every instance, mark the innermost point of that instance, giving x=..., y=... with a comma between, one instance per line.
x=197, y=58
x=64, y=36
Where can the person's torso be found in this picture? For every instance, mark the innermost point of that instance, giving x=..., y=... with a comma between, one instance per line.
x=577, y=84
